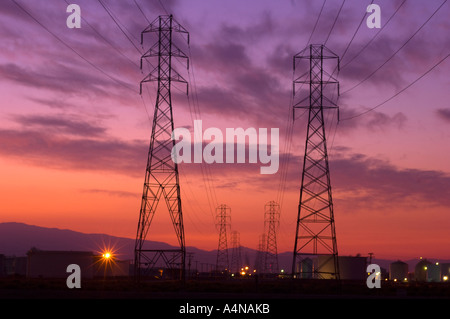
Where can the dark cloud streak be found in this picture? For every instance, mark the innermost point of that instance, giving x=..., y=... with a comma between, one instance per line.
x=50, y=151
x=60, y=123
x=444, y=114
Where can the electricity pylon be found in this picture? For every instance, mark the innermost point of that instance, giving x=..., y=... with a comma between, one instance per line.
x=315, y=234
x=271, y=221
x=223, y=219
x=161, y=175
x=260, y=253
x=236, y=257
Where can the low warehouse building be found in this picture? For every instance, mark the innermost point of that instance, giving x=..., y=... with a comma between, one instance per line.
x=53, y=264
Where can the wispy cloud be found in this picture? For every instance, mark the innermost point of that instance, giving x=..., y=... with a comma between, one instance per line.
x=114, y=193
x=61, y=124
x=63, y=143
x=372, y=121
x=384, y=184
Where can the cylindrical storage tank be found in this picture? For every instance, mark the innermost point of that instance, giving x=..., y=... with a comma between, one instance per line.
x=420, y=271
x=398, y=271
x=434, y=273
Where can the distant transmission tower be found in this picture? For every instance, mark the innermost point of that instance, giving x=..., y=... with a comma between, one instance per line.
x=161, y=176
x=223, y=219
x=271, y=221
x=236, y=258
x=315, y=235
x=260, y=253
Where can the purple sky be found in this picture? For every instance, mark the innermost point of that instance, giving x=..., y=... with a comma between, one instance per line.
x=74, y=131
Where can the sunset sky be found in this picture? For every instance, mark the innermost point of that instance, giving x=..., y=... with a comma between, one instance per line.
x=74, y=131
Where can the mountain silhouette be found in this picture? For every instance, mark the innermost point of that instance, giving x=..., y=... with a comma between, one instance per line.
x=16, y=239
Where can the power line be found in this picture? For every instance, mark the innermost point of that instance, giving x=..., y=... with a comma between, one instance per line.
x=116, y=21
x=354, y=34
x=399, y=92
x=284, y=167
x=373, y=38
x=72, y=49
x=334, y=23
x=140, y=9
x=120, y=28
x=106, y=40
x=398, y=50
x=290, y=124
x=290, y=127
x=350, y=42
x=122, y=54
x=317, y=21
x=79, y=55
x=164, y=8
x=346, y=50
x=146, y=111
x=330, y=120
x=206, y=173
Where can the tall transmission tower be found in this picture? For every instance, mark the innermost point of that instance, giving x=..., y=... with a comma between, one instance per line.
x=271, y=221
x=315, y=234
x=223, y=220
x=236, y=257
x=161, y=175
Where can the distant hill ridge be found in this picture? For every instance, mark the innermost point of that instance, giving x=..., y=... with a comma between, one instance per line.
x=17, y=238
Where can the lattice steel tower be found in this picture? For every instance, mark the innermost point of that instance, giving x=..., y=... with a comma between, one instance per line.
x=223, y=219
x=260, y=253
x=236, y=256
x=271, y=221
x=315, y=234
x=161, y=175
